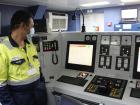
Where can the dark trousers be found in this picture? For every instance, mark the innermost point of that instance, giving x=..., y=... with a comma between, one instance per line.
x=32, y=94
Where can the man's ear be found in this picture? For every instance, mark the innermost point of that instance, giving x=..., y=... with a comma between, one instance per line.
x=22, y=25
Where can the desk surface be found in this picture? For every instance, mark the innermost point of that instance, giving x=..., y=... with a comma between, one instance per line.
x=77, y=91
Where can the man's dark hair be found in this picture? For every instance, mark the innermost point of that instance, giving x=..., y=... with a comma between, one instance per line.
x=20, y=17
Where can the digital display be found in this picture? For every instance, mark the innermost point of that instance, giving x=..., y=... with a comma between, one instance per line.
x=138, y=65
x=128, y=13
x=80, y=54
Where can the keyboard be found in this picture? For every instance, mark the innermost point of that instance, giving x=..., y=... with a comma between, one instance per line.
x=72, y=80
x=135, y=92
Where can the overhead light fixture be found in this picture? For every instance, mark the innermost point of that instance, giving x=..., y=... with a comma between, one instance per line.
x=127, y=1
x=95, y=4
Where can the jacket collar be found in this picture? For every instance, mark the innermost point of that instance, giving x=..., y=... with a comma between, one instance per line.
x=13, y=42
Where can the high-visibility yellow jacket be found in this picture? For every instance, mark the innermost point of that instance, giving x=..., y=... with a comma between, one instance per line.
x=18, y=66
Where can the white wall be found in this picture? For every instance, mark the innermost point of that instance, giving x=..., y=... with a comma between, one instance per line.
x=92, y=20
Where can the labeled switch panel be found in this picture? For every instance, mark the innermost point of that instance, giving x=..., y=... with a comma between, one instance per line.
x=46, y=46
x=101, y=61
x=104, y=49
x=105, y=61
x=104, y=57
x=115, y=40
x=126, y=64
x=105, y=40
x=122, y=63
x=125, y=51
x=50, y=46
x=126, y=40
x=108, y=62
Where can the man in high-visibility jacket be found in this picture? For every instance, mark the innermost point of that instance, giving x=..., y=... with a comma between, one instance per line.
x=20, y=80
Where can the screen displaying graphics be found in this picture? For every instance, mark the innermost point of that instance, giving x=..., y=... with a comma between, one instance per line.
x=136, y=68
x=127, y=13
x=80, y=55
x=138, y=64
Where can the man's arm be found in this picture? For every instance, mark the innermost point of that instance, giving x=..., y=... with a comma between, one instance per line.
x=5, y=96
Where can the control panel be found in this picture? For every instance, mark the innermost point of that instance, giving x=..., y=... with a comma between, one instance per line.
x=104, y=57
x=114, y=62
x=115, y=48
x=106, y=86
x=123, y=60
x=50, y=45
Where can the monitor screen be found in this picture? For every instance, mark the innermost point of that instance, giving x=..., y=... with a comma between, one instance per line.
x=136, y=68
x=80, y=55
x=138, y=64
x=127, y=13
x=85, y=52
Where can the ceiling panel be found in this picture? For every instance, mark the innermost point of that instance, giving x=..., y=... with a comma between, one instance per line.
x=65, y=5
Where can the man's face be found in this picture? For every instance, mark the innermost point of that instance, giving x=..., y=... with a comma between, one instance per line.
x=31, y=25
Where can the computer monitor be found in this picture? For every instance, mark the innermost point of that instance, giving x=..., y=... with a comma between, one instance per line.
x=127, y=17
x=80, y=55
x=136, y=70
x=127, y=13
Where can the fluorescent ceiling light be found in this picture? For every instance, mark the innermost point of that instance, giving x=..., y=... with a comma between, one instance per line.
x=95, y=4
x=127, y=1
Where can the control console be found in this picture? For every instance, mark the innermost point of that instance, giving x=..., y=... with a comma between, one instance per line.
x=106, y=86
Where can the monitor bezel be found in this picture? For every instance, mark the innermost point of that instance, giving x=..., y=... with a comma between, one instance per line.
x=78, y=66
x=136, y=74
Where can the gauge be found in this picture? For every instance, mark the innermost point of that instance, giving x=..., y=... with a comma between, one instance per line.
x=126, y=40
x=87, y=37
x=105, y=40
x=94, y=37
x=115, y=40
